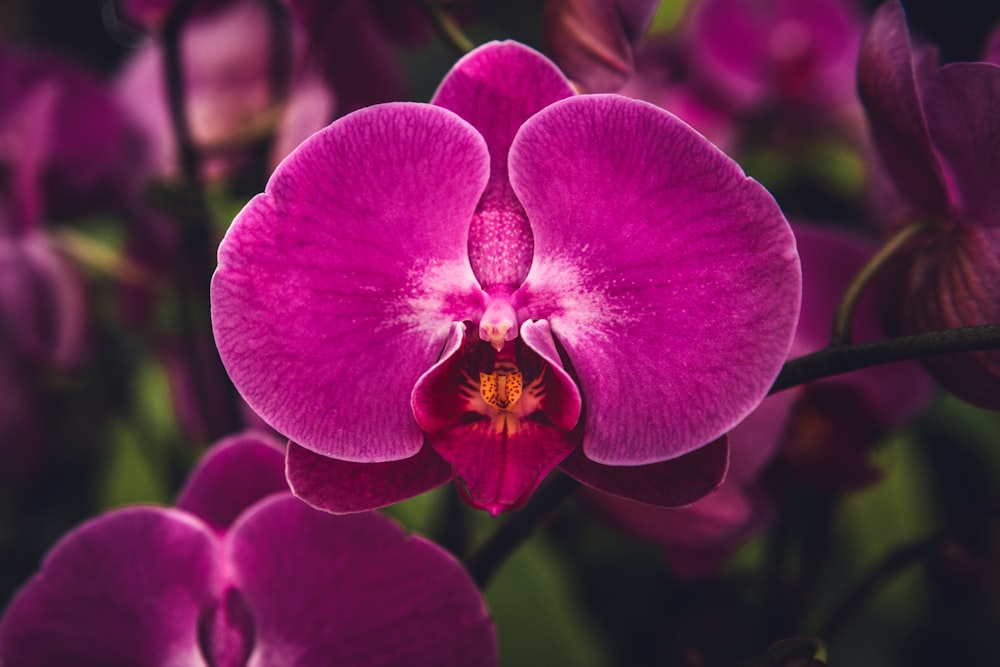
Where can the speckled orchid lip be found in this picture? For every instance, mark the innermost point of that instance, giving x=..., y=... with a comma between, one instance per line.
x=597, y=237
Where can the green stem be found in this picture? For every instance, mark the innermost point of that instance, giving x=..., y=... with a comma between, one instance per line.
x=197, y=263
x=446, y=27
x=484, y=563
x=891, y=566
x=842, y=321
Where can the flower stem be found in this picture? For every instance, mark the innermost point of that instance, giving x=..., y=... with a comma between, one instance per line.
x=840, y=333
x=197, y=263
x=484, y=563
x=846, y=358
x=447, y=28
x=892, y=565
x=91, y=253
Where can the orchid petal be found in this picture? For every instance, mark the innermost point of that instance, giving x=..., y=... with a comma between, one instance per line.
x=961, y=101
x=359, y=239
x=954, y=284
x=231, y=476
x=626, y=203
x=562, y=402
x=674, y=483
x=496, y=88
x=888, y=87
x=591, y=42
x=353, y=590
x=342, y=487
x=125, y=589
x=500, y=467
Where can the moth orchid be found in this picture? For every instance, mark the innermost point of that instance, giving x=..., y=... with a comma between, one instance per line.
x=506, y=280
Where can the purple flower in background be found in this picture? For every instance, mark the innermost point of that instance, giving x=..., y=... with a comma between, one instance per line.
x=152, y=14
x=938, y=134
x=760, y=53
x=243, y=573
x=228, y=55
x=836, y=421
x=353, y=44
x=593, y=40
x=506, y=280
x=65, y=152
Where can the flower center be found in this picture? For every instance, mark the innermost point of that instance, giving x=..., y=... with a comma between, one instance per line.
x=500, y=391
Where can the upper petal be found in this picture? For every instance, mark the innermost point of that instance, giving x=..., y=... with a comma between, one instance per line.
x=353, y=590
x=670, y=278
x=234, y=474
x=961, y=100
x=336, y=287
x=888, y=87
x=496, y=88
x=124, y=589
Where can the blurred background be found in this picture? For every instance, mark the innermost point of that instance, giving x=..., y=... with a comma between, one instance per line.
x=115, y=390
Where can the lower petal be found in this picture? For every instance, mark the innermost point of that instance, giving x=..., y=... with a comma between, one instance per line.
x=674, y=483
x=501, y=461
x=342, y=487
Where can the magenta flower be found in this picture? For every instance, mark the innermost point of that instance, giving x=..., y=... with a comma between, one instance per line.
x=761, y=53
x=242, y=573
x=509, y=279
x=939, y=136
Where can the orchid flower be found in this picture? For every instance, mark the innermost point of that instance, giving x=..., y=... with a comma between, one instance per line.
x=938, y=134
x=506, y=280
x=242, y=573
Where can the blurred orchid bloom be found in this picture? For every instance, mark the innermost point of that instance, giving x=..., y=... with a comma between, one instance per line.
x=593, y=40
x=243, y=573
x=938, y=134
x=509, y=279
x=764, y=53
x=227, y=59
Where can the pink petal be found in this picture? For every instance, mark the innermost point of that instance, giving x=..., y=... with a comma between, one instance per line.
x=499, y=469
x=888, y=86
x=669, y=277
x=337, y=286
x=674, y=483
x=124, y=589
x=353, y=590
x=343, y=487
x=954, y=284
x=232, y=475
x=496, y=88
x=961, y=101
